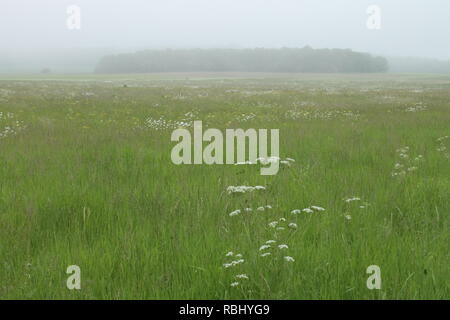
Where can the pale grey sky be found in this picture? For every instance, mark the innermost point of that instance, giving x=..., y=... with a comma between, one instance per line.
x=408, y=27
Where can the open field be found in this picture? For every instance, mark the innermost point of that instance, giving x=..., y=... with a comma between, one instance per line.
x=86, y=179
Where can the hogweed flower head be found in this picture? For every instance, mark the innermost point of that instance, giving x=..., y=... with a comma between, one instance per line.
x=273, y=224
x=243, y=189
x=289, y=259
x=234, y=213
x=352, y=199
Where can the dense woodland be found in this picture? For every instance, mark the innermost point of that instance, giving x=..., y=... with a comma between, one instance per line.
x=243, y=60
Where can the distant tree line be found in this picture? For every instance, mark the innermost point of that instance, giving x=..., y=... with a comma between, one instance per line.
x=243, y=60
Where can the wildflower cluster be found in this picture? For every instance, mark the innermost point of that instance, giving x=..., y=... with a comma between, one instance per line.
x=317, y=114
x=244, y=189
x=264, y=161
x=249, y=210
x=354, y=201
x=417, y=107
x=268, y=160
x=443, y=146
x=9, y=126
x=362, y=204
x=276, y=247
x=5, y=94
x=235, y=262
x=6, y=115
x=252, y=92
x=310, y=209
x=245, y=117
x=163, y=124
x=406, y=163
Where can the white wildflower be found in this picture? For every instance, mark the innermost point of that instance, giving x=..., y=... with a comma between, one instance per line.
x=289, y=259
x=273, y=224
x=398, y=166
x=235, y=213
x=236, y=262
x=243, y=189
x=265, y=161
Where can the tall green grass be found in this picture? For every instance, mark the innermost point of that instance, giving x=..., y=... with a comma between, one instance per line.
x=87, y=182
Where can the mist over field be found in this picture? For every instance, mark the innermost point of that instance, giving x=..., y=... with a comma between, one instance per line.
x=34, y=34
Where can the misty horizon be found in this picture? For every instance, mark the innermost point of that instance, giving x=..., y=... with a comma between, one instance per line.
x=408, y=28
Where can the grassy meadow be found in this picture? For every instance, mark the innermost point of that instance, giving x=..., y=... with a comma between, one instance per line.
x=86, y=179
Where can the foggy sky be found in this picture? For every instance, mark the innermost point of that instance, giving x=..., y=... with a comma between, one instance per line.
x=408, y=27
